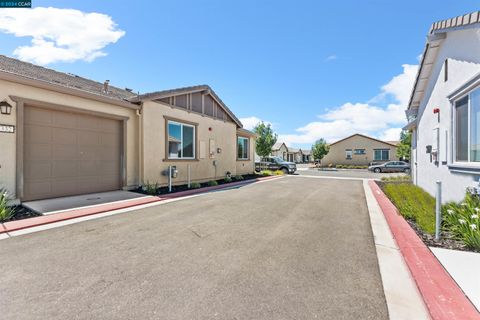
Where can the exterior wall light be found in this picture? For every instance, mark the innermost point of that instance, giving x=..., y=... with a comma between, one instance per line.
x=5, y=108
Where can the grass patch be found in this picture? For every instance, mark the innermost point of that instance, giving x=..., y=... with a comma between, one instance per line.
x=402, y=178
x=413, y=203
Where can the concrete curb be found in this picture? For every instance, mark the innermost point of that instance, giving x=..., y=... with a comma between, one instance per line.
x=444, y=299
x=82, y=212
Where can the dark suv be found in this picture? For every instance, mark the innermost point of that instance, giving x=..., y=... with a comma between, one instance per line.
x=276, y=163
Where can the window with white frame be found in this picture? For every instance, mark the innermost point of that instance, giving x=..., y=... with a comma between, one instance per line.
x=348, y=154
x=381, y=154
x=359, y=151
x=181, y=140
x=467, y=128
x=242, y=148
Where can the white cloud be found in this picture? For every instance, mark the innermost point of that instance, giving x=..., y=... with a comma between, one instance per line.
x=59, y=35
x=331, y=58
x=250, y=122
x=376, y=118
x=391, y=134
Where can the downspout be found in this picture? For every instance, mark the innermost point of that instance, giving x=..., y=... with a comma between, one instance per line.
x=139, y=114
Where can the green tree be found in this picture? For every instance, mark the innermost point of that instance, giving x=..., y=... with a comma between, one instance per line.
x=266, y=138
x=320, y=149
x=403, y=149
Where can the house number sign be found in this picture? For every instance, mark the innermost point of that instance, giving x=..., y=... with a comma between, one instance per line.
x=7, y=128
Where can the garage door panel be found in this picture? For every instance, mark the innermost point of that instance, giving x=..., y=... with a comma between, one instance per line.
x=108, y=167
x=88, y=138
x=88, y=184
x=67, y=154
x=107, y=182
x=39, y=151
x=64, y=187
x=112, y=127
x=38, y=116
x=64, y=136
x=64, y=169
x=88, y=168
x=38, y=189
x=38, y=170
x=38, y=134
x=109, y=139
x=64, y=120
x=89, y=122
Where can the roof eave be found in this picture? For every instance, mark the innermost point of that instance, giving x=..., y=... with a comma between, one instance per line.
x=42, y=84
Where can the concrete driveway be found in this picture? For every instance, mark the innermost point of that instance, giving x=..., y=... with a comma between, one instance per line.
x=291, y=248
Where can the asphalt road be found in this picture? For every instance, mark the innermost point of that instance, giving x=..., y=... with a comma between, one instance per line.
x=293, y=248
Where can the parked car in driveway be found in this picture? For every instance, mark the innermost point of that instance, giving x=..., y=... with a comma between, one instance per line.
x=391, y=166
x=276, y=163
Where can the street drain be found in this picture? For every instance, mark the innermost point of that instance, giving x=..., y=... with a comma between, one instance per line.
x=91, y=199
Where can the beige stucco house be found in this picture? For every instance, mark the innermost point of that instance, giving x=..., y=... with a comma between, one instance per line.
x=281, y=150
x=68, y=135
x=360, y=150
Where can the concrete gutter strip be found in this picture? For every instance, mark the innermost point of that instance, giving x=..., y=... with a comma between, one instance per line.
x=404, y=301
x=444, y=299
x=82, y=212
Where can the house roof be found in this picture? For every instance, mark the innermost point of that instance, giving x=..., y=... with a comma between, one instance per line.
x=278, y=145
x=293, y=150
x=364, y=136
x=246, y=132
x=27, y=70
x=173, y=92
x=435, y=37
x=395, y=142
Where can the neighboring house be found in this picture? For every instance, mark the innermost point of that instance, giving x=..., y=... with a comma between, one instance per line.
x=306, y=156
x=75, y=136
x=280, y=149
x=444, y=109
x=290, y=154
x=360, y=150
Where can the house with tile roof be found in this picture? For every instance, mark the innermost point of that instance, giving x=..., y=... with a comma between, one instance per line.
x=67, y=135
x=444, y=108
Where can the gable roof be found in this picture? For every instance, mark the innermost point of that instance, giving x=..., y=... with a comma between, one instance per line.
x=363, y=136
x=435, y=37
x=30, y=71
x=278, y=145
x=179, y=91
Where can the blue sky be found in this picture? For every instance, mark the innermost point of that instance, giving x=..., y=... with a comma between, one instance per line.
x=311, y=68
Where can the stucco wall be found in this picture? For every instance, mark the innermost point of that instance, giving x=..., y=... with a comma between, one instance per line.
x=282, y=152
x=337, y=154
x=223, y=134
x=462, y=48
x=8, y=140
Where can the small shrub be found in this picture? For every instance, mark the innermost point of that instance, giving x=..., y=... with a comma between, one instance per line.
x=266, y=173
x=195, y=185
x=463, y=221
x=227, y=179
x=151, y=188
x=402, y=178
x=278, y=173
x=413, y=203
x=212, y=183
x=6, y=212
x=238, y=178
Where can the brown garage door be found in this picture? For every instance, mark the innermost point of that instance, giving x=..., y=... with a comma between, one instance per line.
x=68, y=154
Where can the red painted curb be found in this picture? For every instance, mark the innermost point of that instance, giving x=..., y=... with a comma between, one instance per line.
x=82, y=212
x=444, y=299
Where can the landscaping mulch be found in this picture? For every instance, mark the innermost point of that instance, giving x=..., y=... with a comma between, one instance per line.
x=21, y=213
x=446, y=240
x=184, y=187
